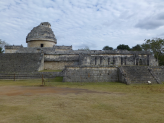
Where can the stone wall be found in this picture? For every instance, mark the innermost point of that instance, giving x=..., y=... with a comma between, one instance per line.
x=20, y=62
x=122, y=76
x=33, y=75
x=125, y=74
x=51, y=50
x=12, y=48
x=38, y=43
x=90, y=74
x=58, y=62
x=41, y=67
x=96, y=57
x=47, y=50
x=116, y=60
x=62, y=57
x=152, y=61
x=62, y=48
x=159, y=72
x=58, y=65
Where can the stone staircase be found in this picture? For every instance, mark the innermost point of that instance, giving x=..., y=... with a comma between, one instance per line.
x=20, y=62
x=139, y=74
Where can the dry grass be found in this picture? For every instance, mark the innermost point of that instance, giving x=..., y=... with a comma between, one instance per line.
x=121, y=103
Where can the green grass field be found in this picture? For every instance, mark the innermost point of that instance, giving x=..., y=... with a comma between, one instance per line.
x=25, y=101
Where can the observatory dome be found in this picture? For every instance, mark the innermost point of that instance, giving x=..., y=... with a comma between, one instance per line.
x=41, y=36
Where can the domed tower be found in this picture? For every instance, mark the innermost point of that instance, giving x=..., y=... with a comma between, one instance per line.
x=41, y=36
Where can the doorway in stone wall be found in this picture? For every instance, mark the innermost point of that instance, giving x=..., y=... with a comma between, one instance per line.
x=140, y=62
x=41, y=45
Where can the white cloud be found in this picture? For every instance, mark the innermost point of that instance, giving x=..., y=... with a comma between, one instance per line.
x=95, y=23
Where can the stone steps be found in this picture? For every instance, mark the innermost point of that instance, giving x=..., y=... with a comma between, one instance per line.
x=19, y=62
x=138, y=74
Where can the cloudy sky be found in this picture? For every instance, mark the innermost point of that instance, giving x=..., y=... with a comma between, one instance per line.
x=80, y=23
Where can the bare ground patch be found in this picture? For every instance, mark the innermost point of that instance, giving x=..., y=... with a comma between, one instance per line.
x=27, y=102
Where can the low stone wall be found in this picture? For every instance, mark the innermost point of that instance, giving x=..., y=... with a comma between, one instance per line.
x=12, y=48
x=35, y=75
x=57, y=65
x=90, y=74
x=62, y=48
x=61, y=58
x=116, y=60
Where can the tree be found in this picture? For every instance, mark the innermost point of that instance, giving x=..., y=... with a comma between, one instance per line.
x=1, y=50
x=137, y=48
x=123, y=47
x=2, y=45
x=156, y=46
x=107, y=48
x=161, y=59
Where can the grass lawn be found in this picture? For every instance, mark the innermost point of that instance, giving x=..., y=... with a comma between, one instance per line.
x=25, y=101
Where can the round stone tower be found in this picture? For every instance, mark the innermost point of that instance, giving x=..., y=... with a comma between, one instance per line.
x=41, y=36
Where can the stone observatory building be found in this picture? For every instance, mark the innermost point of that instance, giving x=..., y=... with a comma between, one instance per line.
x=42, y=53
x=41, y=36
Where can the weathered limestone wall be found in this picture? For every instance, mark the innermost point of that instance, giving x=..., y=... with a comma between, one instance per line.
x=90, y=74
x=153, y=61
x=33, y=75
x=58, y=62
x=20, y=62
x=117, y=60
x=62, y=48
x=95, y=57
x=41, y=67
x=48, y=50
x=10, y=50
x=38, y=43
x=61, y=57
x=122, y=76
x=58, y=65
x=159, y=72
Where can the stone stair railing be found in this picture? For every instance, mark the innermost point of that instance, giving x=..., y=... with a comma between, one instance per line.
x=154, y=76
x=124, y=76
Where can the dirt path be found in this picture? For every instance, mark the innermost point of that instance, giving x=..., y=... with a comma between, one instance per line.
x=29, y=91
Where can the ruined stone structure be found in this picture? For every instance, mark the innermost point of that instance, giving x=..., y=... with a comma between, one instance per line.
x=41, y=36
x=79, y=65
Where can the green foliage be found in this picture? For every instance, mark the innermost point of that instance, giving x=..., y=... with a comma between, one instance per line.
x=156, y=46
x=1, y=50
x=107, y=48
x=2, y=44
x=123, y=47
x=137, y=48
x=161, y=59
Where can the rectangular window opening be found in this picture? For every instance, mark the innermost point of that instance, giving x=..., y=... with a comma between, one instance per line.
x=41, y=45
